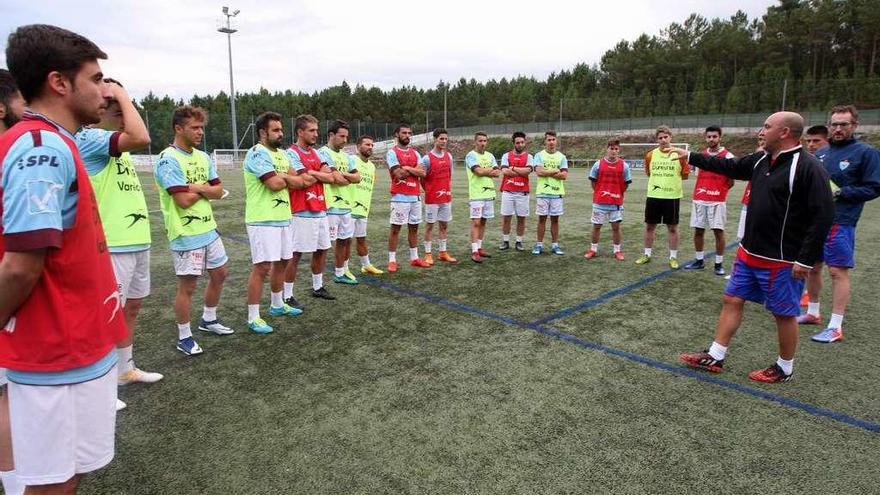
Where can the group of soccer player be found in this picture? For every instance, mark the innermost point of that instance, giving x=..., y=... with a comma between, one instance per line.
x=76, y=233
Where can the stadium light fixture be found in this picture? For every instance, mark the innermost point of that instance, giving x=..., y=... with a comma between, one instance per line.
x=228, y=30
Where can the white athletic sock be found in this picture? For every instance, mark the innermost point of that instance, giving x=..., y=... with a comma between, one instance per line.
x=673, y=253
x=345, y=266
x=836, y=321
x=480, y=243
x=719, y=258
x=539, y=244
x=616, y=247
x=594, y=247
x=505, y=237
x=649, y=252
x=519, y=238
x=365, y=260
x=338, y=271
x=317, y=281
x=554, y=245
x=475, y=247
x=813, y=309
x=413, y=254
x=698, y=255
x=11, y=485
x=392, y=256
x=288, y=289
x=254, y=312
x=442, y=245
x=209, y=314
x=183, y=331
x=277, y=300
x=786, y=365
x=717, y=351
x=126, y=363
x=427, y=247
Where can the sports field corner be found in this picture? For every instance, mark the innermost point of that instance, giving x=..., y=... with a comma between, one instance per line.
x=525, y=374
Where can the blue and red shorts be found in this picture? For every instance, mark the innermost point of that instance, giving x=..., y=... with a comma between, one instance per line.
x=773, y=287
x=840, y=246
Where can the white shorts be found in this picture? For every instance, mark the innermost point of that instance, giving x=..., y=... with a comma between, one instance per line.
x=406, y=213
x=196, y=261
x=514, y=204
x=548, y=206
x=482, y=208
x=62, y=430
x=3, y=379
x=360, y=227
x=741, y=228
x=438, y=212
x=709, y=216
x=601, y=217
x=310, y=234
x=132, y=272
x=270, y=243
x=341, y=226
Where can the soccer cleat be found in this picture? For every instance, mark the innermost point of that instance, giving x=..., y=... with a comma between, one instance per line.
x=695, y=265
x=673, y=263
x=772, y=374
x=519, y=246
x=189, y=346
x=284, y=310
x=120, y=405
x=371, y=270
x=350, y=275
x=293, y=303
x=259, y=325
x=476, y=258
x=137, y=375
x=484, y=254
x=419, y=263
x=719, y=270
x=538, y=249
x=556, y=250
x=215, y=327
x=619, y=256
x=429, y=259
x=828, y=336
x=590, y=254
x=323, y=294
x=505, y=245
x=392, y=266
x=808, y=319
x=805, y=300
x=446, y=257
x=643, y=259
x=342, y=279
x=704, y=361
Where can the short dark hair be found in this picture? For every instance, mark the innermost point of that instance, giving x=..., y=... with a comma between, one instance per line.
x=549, y=133
x=263, y=120
x=364, y=138
x=818, y=130
x=438, y=131
x=34, y=51
x=302, y=120
x=336, y=126
x=850, y=109
x=662, y=129
x=186, y=112
x=401, y=126
x=7, y=87
x=480, y=133
x=613, y=142
x=518, y=134
x=713, y=128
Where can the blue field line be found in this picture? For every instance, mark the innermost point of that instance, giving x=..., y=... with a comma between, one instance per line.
x=629, y=356
x=589, y=303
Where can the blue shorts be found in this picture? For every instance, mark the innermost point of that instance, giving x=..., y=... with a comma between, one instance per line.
x=772, y=287
x=840, y=246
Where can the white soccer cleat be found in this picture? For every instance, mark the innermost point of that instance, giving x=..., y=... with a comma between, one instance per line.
x=137, y=375
x=120, y=405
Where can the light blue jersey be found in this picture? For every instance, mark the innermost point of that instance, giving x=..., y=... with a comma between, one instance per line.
x=298, y=166
x=506, y=163
x=594, y=175
x=169, y=175
x=538, y=161
x=391, y=159
x=258, y=163
x=425, y=161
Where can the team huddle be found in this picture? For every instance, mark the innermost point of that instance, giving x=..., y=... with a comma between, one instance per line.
x=76, y=238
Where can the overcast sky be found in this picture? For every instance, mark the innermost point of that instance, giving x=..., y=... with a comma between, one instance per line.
x=172, y=46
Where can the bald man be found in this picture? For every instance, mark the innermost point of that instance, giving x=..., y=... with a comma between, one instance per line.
x=789, y=215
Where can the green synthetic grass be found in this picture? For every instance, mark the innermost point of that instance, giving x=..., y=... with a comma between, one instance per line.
x=379, y=392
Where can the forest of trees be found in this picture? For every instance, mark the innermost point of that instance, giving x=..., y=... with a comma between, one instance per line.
x=819, y=52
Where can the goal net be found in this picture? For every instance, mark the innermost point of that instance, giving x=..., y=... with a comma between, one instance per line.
x=227, y=159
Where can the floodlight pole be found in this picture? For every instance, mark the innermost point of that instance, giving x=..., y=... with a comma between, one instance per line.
x=227, y=30
x=445, y=96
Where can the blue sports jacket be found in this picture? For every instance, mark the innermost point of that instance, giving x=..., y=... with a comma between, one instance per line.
x=855, y=167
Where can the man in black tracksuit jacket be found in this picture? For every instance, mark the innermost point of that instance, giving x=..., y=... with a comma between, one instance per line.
x=790, y=211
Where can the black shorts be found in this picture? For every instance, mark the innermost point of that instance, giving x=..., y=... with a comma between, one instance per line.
x=661, y=210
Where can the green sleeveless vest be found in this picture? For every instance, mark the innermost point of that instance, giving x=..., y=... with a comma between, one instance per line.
x=198, y=218
x=121, y=203
x=550, y=185
x=261, y=203
x=665, y=179
x=339, y=197
x=362, y=194
x=481, y=187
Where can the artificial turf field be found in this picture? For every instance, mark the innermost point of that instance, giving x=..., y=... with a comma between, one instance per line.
x=526, y=374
